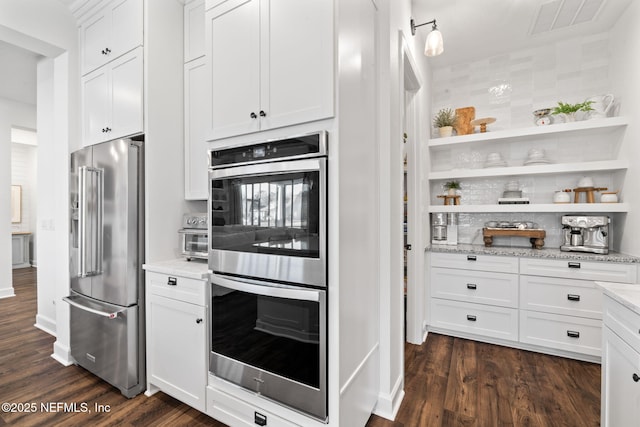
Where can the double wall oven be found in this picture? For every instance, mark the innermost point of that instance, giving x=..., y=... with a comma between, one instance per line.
x=268, y=255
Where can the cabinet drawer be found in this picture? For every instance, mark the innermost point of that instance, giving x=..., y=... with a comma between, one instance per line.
x=560, y=332
x=475, y=286
x=561, y=296
x=176, y=287
x=588, y=270
x=236, y=412
x=499, y=264
x=622, y=321
x=485, y=320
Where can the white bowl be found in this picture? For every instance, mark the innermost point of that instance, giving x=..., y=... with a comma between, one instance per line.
x=585, y=182
x=561, y=197
x=535, y=154
x=609, y=198
x=494, y=157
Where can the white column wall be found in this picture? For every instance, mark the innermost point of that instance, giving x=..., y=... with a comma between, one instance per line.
x=625, y=68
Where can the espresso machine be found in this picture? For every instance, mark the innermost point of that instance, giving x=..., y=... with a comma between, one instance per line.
x=585, y=234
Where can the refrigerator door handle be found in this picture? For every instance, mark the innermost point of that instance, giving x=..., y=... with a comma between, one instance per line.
x=90, y=221
x=108, y=314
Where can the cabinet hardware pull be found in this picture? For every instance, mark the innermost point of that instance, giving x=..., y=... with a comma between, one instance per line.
x=198, y=321
x=407, y=247
x=262, y=113
x=572, y=297
x=471, y=317
x=471, y=257
x=172, y=281
x=635, y=377
x=253, y=115
x=259, y=419
x=574, y=265
x=471, y=286
x=573, y=334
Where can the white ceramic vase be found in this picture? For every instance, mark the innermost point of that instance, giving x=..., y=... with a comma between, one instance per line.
x=445, y=131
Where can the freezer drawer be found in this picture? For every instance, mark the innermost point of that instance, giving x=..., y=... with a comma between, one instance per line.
x=105, y=341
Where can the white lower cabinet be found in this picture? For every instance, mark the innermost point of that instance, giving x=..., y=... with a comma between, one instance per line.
x=177, y=338
x=620, y=368
x=548, y=305
x=479, y=319
x=235, y=412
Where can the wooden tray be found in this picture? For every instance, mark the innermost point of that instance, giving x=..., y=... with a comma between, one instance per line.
x=536, y=236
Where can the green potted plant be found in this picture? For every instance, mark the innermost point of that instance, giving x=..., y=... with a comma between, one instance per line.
x=445, y=120
x=452, y=187
x=569, y=110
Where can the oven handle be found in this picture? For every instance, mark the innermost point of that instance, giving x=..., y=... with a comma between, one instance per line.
x=270, y=290
x=316, y=164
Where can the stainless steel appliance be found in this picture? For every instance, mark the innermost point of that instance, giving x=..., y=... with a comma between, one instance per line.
x=268, y=254
x=585, y=234
x=106, y=254
x=194, y=236
x=268, y=210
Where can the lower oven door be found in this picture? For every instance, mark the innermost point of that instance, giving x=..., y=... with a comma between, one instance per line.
x=271, y=339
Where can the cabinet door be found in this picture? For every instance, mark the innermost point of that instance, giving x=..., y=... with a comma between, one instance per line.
x=620, y=389
x=94, y=39
x=96, y=106
x=176, y=349
x=195, y=146
x=126, y=26
x=297, y=73
x=126, y=95
x=233, y=48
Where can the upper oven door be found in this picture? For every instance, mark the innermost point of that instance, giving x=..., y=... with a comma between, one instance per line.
x=268, y=221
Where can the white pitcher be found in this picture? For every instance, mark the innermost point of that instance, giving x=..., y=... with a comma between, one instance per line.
x=602, y=105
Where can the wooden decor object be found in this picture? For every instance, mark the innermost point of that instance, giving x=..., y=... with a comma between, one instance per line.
x=483, y=123
x=591, y=198
x=448, y=199
x=465, y=116
x=536, y=236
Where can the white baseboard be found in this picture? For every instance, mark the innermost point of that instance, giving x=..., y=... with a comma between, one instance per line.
x=62, y=354
x=45, y=324
x=389, y=403
x=7, y=293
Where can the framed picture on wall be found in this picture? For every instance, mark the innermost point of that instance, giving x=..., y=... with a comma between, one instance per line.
x=16, y=204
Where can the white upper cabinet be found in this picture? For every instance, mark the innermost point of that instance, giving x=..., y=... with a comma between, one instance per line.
x=113, y=100
x=193, y=30
x=270, y=64
x=113, y=31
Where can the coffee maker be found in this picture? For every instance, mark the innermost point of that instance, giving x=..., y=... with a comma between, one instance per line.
x=585, y=234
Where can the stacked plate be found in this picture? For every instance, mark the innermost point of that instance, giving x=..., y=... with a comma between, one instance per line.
x=494, y=160
x=536, y=156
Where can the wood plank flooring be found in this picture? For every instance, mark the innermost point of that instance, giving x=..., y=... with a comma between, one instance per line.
x=448, y=382
x=455, y=382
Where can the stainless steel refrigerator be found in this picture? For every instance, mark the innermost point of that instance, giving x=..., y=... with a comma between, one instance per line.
x=106, y=256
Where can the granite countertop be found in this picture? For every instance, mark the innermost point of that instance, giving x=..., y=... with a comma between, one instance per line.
x=624, y=293
x=194, y=269
x=548, y=253
x=18, y=233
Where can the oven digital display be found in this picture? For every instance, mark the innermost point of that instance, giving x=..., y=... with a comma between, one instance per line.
x=259, y=152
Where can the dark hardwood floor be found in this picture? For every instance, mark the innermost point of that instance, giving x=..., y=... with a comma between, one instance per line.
x=448, y=382
x=455, y=382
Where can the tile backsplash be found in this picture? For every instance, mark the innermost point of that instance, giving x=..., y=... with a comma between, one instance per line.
x=509, y=87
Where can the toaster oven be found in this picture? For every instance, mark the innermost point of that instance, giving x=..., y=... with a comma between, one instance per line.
x=194, y=236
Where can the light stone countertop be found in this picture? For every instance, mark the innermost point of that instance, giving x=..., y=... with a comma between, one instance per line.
x=533, y=253
x=624, y=293
x=194, y=269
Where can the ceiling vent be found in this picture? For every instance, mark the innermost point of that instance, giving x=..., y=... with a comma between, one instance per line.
x=559, y=14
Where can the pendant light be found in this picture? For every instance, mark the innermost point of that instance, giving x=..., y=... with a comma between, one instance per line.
x=434, y=45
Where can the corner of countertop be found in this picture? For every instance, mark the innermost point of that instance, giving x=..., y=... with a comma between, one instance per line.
x=194, y=269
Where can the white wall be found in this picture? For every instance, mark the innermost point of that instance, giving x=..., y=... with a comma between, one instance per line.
x=625, y=69
x=394, y=19
x=11, y=114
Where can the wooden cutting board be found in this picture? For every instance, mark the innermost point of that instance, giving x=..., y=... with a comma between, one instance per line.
x=463, y=124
